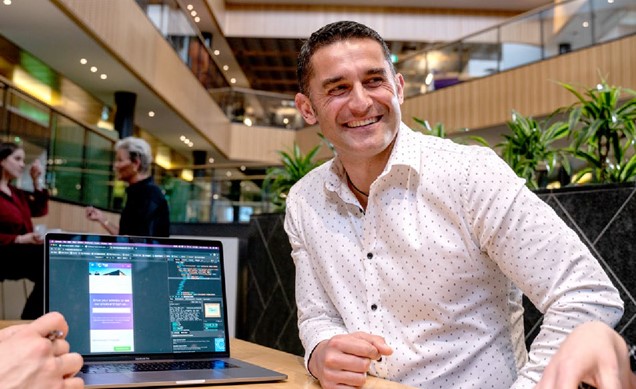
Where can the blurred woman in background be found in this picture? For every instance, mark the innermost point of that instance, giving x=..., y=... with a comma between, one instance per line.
x=22, y=249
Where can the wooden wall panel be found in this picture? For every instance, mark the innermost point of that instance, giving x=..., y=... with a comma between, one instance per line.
x=531, y=90
x=392, y=23
x=259, y=144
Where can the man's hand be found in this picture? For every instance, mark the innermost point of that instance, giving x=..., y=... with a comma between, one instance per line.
x=31, y=358
x=593, y=353
x=343, y=361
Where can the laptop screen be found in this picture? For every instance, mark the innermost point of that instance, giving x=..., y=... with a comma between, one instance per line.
x=132, y=296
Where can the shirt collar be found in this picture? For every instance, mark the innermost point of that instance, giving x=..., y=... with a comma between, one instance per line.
x=141, y=183
x=405, y=153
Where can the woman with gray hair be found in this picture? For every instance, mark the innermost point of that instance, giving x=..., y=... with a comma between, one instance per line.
x=146, y=211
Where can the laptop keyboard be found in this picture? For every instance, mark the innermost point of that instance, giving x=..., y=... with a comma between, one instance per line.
x=154, y=366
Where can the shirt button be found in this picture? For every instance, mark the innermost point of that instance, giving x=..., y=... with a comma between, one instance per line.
x=374, y=307
x=369, y=255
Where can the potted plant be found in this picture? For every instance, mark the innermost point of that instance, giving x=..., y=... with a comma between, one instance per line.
x=529, y=149
x=269, y=253
x=439, y=130
x=603, y=131
x=280, y=179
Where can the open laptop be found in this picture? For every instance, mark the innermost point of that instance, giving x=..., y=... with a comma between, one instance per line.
x=138, y=304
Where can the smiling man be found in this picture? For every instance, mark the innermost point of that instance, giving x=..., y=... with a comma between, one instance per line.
x=412, y=252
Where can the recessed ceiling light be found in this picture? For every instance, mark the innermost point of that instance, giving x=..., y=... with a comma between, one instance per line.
x=225, y=67
x=7, y=2
x=103, y=76
x=151, y=114
x=93, y=69
x=211, y=160
x=197, y=19
x=586, y=24
x=182, y=138
x=216, y=52
x=190, y=7
x=233, y=80
x=242, y=168
x=193, y=13
x=83, y=61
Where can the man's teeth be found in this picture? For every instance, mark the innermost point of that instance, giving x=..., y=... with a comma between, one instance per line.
x=361, y=123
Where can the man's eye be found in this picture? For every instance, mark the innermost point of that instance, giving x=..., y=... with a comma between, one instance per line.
x=338, y=90
x=375, y=81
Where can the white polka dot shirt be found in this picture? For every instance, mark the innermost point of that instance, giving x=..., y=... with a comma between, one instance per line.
x=436, y=266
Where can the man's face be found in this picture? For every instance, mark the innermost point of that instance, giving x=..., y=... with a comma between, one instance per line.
x=354, y=97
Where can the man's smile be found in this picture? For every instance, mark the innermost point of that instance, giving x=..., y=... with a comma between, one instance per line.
x=361, y=123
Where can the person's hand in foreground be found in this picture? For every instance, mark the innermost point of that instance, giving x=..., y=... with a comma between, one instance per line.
x=31, y=358
x=343, y=361
x=594, y=354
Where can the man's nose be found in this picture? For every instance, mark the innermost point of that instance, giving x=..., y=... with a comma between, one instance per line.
x=359, y=99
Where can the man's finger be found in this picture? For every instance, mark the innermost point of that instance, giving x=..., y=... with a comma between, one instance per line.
x=378, y=342
x=609, y=380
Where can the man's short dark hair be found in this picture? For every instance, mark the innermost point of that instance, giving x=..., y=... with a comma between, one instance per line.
x=331, y=33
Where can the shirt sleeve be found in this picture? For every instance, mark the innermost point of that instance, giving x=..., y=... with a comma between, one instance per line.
x=318, y=319
x=541, y=255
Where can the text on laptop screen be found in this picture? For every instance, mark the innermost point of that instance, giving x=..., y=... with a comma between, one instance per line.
x=138, y=297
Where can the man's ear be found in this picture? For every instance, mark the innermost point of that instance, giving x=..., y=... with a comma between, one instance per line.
x=303, y=104
x=399, y=83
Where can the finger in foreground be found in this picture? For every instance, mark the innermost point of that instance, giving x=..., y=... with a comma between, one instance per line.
x=52, y=321
x=73, y=383
x=60, y=346
x=69, y=364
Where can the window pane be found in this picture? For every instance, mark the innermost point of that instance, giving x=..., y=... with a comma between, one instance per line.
x=98, y=173
x=67, y=147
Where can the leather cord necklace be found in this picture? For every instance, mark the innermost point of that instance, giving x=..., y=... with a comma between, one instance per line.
x=355, y=187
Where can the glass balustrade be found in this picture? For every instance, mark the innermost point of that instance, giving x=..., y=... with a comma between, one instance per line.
x=534, y=36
